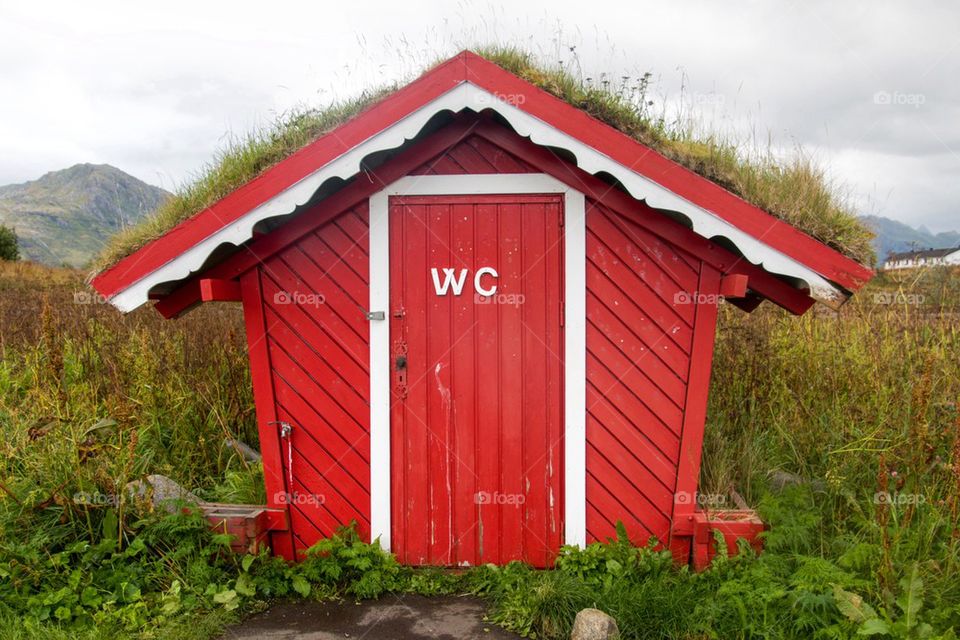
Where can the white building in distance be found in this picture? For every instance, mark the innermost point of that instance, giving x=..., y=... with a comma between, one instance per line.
x=923, y=258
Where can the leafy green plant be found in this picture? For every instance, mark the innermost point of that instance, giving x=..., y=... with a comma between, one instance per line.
x=843, y=428
x=344, y=562
x=601, y=565
x=534, y=604
x=904, y=620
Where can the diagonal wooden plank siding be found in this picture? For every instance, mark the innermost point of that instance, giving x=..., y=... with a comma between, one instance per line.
x=473, y=154
x=314, y=295
x=640, y=322
x=640, y=333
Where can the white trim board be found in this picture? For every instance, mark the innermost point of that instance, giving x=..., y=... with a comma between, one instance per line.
x=575, y=350
x=469, y=96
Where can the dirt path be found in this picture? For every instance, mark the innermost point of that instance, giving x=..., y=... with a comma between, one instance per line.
x=390, y=618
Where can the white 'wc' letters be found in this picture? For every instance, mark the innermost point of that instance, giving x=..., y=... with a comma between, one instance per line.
x=454, y=282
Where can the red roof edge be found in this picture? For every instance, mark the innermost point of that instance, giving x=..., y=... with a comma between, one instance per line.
x=468, y=66
x=638, y=157
x=376, y=117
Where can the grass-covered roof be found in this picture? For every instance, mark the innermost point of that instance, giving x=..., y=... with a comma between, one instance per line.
x=794, y=189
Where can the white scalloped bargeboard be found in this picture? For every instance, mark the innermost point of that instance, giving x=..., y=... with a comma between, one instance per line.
x=469, y=96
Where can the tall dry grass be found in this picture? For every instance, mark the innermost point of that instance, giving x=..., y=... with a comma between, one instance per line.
x=860, y=406
x=91, y=399
x=851, y=405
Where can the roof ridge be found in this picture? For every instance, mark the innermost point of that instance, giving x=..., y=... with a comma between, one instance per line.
x=575, y=122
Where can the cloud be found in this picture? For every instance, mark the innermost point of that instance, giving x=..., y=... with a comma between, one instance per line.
x=154, y=89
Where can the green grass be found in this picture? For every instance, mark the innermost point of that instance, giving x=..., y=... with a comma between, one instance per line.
x=795, y=189
x=852, y=404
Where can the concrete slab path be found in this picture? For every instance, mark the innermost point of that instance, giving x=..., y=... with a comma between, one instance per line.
x=393, y=617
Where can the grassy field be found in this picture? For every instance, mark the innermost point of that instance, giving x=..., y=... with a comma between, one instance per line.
x=842, y=427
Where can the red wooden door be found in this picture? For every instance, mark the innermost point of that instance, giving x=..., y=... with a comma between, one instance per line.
x=477, y=378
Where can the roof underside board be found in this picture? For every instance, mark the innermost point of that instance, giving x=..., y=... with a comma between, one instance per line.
x=469, y=96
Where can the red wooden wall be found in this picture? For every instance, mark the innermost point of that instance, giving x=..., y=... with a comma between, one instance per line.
x=648, y=358
x=473, y=154
x=641, y=320
x=315, y=348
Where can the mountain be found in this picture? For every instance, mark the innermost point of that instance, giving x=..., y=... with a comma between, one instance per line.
x=64, y=217
x=897, y=236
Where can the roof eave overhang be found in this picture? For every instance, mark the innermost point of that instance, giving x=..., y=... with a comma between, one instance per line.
x=468, y=94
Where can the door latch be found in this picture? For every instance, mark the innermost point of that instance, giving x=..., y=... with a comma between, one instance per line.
x=401, y=368
x=376, y=315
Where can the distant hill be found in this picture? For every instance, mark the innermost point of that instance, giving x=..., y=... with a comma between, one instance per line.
x=897, y=236
x=64, y=217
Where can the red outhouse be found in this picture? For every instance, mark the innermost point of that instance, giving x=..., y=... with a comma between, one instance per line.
x=480, y=321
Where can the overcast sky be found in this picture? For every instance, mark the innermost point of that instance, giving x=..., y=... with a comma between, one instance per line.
x=871, y=89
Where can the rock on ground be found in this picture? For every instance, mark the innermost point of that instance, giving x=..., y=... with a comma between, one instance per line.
x=593, y=624
x=162, y=491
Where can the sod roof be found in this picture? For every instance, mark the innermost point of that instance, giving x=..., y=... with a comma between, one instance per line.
x=795, y=189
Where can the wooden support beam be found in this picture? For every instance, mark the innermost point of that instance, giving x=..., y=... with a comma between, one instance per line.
x=179, y=301
x=195, y=291
x=216, y=290
x=734, y=285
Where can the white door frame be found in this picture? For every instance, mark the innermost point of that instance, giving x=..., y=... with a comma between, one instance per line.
x=574, y=260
